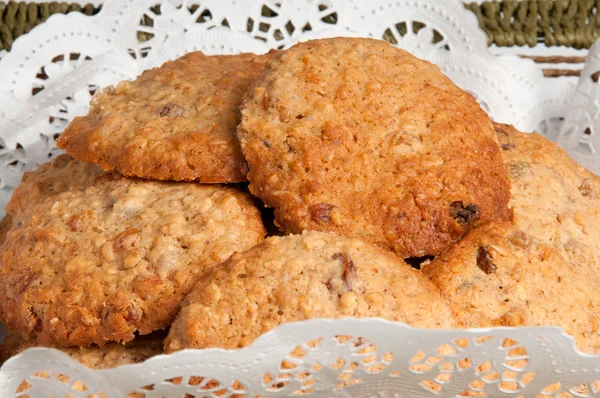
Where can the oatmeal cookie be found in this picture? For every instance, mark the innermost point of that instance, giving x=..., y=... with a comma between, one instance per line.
x=359, y=138
x=176, y=122
x=501, y=275
x=298, y=277
x=98, y=264
x=552, y=196
x=58, y=175
x=541, y=269
x=111, y=355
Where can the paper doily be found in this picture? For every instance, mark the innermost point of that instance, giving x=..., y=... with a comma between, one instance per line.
x=327, y=358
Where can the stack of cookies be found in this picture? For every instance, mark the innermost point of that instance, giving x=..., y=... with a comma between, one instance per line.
x=370, y=159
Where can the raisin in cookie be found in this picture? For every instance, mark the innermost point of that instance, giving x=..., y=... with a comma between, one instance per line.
x=501, y=275
x=297, y=277
x=176, y=122
x=98, y=264
x=111, y=355
x=359, y=138
x=58, y=175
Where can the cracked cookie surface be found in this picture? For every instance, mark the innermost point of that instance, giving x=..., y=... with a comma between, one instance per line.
x=362, y=139
x=176, y=122
x=298, y=277
x=98, y=264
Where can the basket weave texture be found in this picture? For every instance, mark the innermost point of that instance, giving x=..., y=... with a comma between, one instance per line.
x=571, y=23
x=18, y=18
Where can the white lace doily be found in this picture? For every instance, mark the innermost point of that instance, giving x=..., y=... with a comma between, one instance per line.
x=342, y=358
x=50, y=74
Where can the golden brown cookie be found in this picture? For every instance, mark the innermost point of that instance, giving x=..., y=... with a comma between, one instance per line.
x=501, y=275
x=542, y=269
x=58, y=175
x=111, y=355
x=176, y=122
x=98, y=264
x=359, y=138
x=298, y=277
x=551, y=195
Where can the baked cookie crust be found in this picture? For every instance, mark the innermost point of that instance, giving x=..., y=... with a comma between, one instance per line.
x=500, y=275
x=59, y=175
x=362, y=139
x=551, y=194
x=541, y=269
x=176, y=122
x=99, y=264
x=298, y=277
